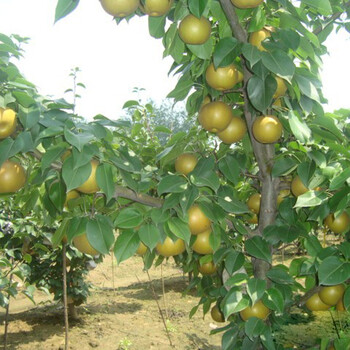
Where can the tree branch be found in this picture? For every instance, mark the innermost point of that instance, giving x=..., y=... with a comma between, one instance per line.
x=331, y=19
x=307, y=295
x=120, y=191
x=231, y=15
x=142, y=198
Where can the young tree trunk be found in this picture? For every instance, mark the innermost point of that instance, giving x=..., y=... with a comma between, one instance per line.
x=72, y=311
x=264, y=153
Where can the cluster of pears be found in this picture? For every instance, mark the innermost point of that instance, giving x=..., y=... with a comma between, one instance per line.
x=258, y=310
x=327, y=297
x=267, y=128
x=90, y=186
x=198, y=223
x=337, y=224
x=124, y=8
x=12, y=174
x=254, y=201
x=256, y=39
x=217, y=116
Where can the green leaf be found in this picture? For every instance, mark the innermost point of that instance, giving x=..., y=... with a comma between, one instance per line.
x=225, y=52
x=74, y=177
x=299, y=128
x=128, y=179
x=128, y=218
x=278, y=62
x=274, y=300
x=312, y=245
x=208, y=178
x=159, y=216
x=180, y=229
x=254, y=327
x=307, y=87
x=23, y=99
x=310, y=199
x=284, y=233
x=149, y=235
x=229, y=166
x=131, y=103
x=104, y=178
x=126, y=245
x=78, y=140
x=229, y=339
x=267, y=339
x=233, y=302
x=328, y=123
x=156, y=26
x=76, y=227
x=60, y=232
x=32, y=118
x=188, y=197
x=258, y=19
x=64, y=8
x=279, y=275
x=260, y=91
x=234, y=261
x=256, y=289
x=197, y=7
x=258, y=248
x=284, y=166
x=50, y=156
x=322, y=6
x=306, y=171
x=289, y=38
x=203, y=51
x=346, y=299
x=172, y=183
x=8, y=148
x=100, y=234
x=233, y=205
x=24, y=142
x=182, y=88
x=333, y=271
x=57, y=194
x=251, y=53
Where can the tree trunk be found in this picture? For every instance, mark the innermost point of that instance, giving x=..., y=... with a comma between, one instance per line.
x=72, y=311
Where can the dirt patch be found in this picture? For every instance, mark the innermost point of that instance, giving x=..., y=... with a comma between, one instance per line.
x=123, y=317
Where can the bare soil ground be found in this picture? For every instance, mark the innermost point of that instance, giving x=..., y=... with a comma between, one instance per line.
x=126, y=318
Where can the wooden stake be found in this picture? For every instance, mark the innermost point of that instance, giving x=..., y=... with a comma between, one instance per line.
x=160, y=310
x=65, y=303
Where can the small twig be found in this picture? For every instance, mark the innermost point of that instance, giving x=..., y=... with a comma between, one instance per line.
x=335, y=325
x=112, y=255
x=307, y=295
x=65, y=301
x=252, y=176
x=331, y=19
x=12, y=269
x=7, y=315
x=232, y=91
x=160, y=310
x=163, y=289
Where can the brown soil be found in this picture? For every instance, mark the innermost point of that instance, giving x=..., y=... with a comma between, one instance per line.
x=124, y=318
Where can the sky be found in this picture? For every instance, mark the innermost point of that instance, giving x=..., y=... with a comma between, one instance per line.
x=114, y=59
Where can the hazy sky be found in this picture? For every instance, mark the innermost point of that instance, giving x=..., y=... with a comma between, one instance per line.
x=115, y=59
